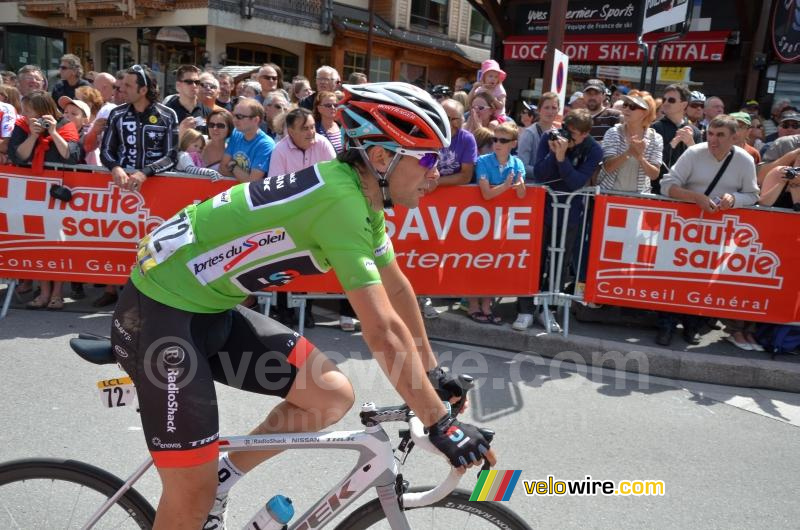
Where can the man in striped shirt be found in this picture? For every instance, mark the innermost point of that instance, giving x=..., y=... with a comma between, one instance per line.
x=603, y=118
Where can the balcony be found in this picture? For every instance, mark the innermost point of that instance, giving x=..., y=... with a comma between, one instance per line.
x=316, y=14
x=81, y=12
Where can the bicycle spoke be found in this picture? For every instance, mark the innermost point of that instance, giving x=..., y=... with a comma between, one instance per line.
x=74, y=507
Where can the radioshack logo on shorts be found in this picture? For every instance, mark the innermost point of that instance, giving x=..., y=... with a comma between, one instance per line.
x=217, y=262
x=28, y=212
x=657, y=243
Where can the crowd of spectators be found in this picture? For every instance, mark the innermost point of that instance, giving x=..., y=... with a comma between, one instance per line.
x=617, y=138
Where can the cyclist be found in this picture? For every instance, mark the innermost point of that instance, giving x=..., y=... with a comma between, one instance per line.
x=177, y=327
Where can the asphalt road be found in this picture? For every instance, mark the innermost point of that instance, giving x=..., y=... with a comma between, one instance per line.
x=728, y=457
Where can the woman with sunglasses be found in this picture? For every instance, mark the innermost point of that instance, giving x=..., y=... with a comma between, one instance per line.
x=632, y=150
x=325, y=104
x=481, y=112
x=181, y=304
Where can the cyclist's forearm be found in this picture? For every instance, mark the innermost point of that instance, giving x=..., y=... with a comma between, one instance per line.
x=404, y=302
x=395, y=353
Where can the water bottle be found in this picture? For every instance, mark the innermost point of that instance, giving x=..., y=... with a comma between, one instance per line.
x=274, y=515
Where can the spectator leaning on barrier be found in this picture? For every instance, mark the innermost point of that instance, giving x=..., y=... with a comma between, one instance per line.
x=675, y=128
x=302, y=146
x=603, y=118
x=632, y=150
x=530, y=136
x=566, y=163
x=30, y=78
x=142, y=136
x=692, y=179
x=457, y=161
x=71, y=73
x=247, y=155
x=497, y=173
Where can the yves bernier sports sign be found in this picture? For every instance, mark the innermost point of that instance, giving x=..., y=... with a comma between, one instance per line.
x=739, y=264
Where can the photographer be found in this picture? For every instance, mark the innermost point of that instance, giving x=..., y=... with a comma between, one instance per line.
x=565, y=163
x=40, y=137
x=781, y=187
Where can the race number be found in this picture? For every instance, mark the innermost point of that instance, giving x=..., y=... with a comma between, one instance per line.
x=118, y=392
x=164, y=241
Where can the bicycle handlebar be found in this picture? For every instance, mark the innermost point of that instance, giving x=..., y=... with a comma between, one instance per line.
x=424, y=498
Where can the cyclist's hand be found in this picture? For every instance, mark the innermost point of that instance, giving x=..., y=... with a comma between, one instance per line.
x=451, y=388
x=463, y=444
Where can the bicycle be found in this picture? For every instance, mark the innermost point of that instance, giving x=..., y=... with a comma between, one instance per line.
x=56, y=493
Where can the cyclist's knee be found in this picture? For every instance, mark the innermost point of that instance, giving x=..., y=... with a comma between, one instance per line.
x=321, y=388
x=191, y=487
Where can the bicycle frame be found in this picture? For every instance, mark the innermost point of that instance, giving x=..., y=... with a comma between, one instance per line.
x=376, y=467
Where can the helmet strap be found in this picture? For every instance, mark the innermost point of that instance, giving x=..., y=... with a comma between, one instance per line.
x=383, y=178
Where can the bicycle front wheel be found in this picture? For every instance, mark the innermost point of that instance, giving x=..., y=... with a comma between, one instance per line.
x=454, y=511
x=47, y=493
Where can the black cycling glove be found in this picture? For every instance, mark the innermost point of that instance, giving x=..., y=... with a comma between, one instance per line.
x=461, y=443
x=448, y=386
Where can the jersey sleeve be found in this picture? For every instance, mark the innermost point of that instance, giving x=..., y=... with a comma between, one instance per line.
x=263, y=156
x=345, y=233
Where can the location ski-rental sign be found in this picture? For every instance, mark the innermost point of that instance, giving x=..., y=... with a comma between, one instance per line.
x=658, y=14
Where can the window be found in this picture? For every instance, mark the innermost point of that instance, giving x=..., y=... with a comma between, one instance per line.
x=42, y=51
x=380, y=68
x=246, y=54
x=115, y=55
x=480, y=31
x=415, y=74
x=429, y=15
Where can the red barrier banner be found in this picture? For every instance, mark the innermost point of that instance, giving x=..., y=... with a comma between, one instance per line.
x=740, y=264
x=455, y=243
x=91, y=238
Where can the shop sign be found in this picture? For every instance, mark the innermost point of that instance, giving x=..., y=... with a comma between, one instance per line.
x=583, y=16
x=696, y=47
x=658, y=14
x=786, y=30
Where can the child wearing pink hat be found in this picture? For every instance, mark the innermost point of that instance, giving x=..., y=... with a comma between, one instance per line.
x=492, y=77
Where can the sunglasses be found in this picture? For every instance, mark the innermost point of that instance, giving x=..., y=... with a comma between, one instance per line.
x=140, y=71
x=631, y=106
x=790, y=125
x=269, y=77
x=328, y=105
x=242, y=116
x=195, y=82
x=426, y=159
x=62, y=67
x=671, y=101
x=217, y=125
x=209, y=86
x=479, y=108
x=697, y=105
x=503, y=141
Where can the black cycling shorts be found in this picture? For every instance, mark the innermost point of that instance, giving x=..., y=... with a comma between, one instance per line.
x=174, y=357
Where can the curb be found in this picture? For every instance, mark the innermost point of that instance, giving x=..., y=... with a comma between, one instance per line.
x=623, y=356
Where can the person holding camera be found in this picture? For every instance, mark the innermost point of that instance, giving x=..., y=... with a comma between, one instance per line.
x=565, y=163
x=781, y=187
x=41, y=135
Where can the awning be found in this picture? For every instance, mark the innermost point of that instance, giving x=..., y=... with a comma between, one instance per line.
x=695, y=46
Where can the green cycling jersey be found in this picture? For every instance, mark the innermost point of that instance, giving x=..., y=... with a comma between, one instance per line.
x=263, y=234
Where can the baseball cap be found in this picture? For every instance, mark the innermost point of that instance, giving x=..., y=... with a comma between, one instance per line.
x=751, y=103
x=790, y=116
x=636, y=100
x=63, y=101
x=595, y=84
x=742, y=117
x=622, y=89
x=575, y=96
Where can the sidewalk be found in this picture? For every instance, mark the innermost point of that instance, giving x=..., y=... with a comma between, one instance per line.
x=611, y=337
x=623, y=339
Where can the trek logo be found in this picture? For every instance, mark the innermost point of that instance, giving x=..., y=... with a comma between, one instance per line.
x=280, y=189
x=327, y=508
x=221, y=199
x=659, y=243
x=277, y=273
x=218, y=261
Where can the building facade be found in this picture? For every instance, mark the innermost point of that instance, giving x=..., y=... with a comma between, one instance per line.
x=421, y=41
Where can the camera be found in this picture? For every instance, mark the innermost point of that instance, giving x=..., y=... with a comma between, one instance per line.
x=790, y=173
x=42, y=123
x=563, y=133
